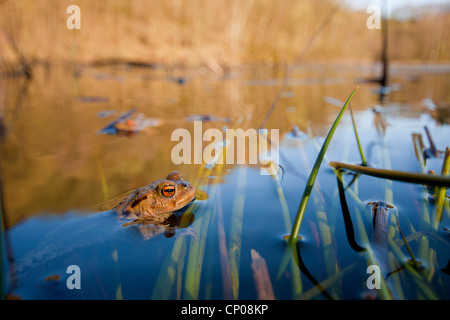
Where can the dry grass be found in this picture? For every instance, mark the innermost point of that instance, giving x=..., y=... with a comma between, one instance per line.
x=208, y=32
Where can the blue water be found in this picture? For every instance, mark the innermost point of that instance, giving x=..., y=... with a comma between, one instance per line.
x=51, y=226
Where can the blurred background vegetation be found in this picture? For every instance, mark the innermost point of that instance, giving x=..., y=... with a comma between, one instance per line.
x=212, y=33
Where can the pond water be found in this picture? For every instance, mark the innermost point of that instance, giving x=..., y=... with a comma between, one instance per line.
x=57, y=164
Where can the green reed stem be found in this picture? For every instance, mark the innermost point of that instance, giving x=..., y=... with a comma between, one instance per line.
x=441, y=192
x=361, y=152
x=295, y=272
x=315, y=170
x=283, y=203
x=290, y=255
x=412, y=177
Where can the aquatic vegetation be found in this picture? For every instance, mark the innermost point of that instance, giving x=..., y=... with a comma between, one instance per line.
x=314, y=171
x=414, y=268
x=240, y=243
x=420, y=178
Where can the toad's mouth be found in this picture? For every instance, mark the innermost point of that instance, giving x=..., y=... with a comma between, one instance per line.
x=181, y=204
x=185, y=203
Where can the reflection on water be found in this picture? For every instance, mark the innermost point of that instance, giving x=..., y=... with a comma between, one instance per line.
x=94, y=242
x=55, y=166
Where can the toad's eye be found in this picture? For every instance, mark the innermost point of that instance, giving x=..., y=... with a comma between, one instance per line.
x=168, y=191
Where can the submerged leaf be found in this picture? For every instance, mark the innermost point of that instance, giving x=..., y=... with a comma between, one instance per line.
x=261, y=276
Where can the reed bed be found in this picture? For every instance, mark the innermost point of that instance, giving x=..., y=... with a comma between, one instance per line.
x=411, y=256
x=187, y=272
x=201, y=32
x=419, y=271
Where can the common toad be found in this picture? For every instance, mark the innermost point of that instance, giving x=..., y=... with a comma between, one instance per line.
x=157, y=199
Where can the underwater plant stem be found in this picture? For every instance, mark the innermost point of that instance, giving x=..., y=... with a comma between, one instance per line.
x=166, y=277
x=315, y=170
x=325, y=284
x=384, y=293
x=261, y=276
x=234, y=246
x=418, y=278
x=433, y=148
x=224, y=259
x=413, y=259
x=195, y=258
x=418, y=150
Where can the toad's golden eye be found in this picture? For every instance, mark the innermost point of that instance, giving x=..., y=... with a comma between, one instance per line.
x=168, y=191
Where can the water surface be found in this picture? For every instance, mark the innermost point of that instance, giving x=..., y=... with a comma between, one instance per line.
x=55, y=166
